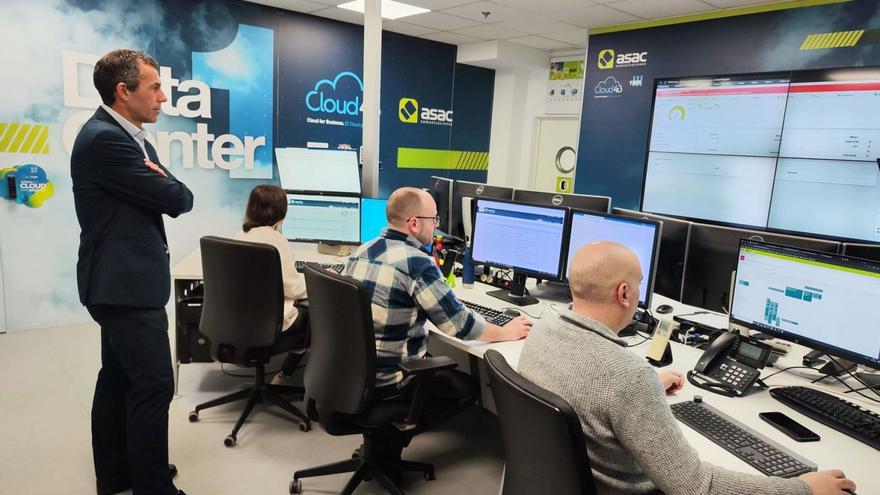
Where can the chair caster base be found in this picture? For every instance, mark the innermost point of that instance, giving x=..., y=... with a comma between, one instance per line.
x=229, y=441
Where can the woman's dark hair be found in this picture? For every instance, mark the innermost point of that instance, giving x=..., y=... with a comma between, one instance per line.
x=266, y=206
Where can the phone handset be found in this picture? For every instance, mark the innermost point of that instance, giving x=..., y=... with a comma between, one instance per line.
x=730, y=366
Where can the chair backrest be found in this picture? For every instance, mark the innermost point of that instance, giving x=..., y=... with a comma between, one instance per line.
x=341, y=371
x=243, y=309
x=541, y=435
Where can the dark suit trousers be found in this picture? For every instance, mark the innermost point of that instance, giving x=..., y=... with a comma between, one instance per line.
x=132, y=395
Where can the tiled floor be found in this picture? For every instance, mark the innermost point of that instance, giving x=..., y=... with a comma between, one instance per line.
x=45, y=396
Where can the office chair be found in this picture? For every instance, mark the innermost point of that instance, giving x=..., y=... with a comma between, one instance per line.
x=340, y=379
x=242, y=315
x=543, y=443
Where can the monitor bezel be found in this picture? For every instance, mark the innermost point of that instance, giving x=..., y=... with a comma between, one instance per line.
x=336, y=242
x=792, y=337
x=456, y=213
x=658, y=235
x=566, y=224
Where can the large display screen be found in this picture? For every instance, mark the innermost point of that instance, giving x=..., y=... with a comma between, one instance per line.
x=786, y=151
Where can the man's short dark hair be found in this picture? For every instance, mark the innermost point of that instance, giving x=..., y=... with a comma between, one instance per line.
x=119, y=66
x=266, y=207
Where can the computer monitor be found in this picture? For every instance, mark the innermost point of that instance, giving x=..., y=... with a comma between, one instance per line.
x=322, y=218
x=641, y=236
x=865, y=251
x=463, y=189
x=319, y=171
x=373, y=218
x=673, y=251
x=819, y=300
x=441, y=190
x=711, y=260
x=530, y=239
x=586, y=202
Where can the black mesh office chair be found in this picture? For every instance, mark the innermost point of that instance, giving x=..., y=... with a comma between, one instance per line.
x=541, y=435
x=340, y=378
x=242, y=315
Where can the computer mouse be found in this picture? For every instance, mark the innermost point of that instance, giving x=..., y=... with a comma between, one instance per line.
x=511, y=312
x=664, y=309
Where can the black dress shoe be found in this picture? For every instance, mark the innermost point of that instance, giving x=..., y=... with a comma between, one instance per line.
x=113, y=489
x=173, y=469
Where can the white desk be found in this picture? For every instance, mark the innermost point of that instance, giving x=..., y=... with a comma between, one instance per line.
x=836, y=450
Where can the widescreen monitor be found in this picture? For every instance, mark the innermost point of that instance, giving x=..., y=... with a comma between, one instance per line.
x=586, y=202
x=865, y=251
x=373, y=218
x=462, y=189
x=669, y=273
x=529, y=239
x=711, y=261
x=318, y=171
x=641, y=236
x=322, y=218
x=819, y=300
x=440, y=189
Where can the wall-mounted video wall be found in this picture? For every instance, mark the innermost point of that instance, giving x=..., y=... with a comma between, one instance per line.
x=790, y=151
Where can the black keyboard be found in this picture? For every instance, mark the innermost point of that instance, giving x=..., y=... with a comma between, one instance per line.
x=758, y=451
x=842, y=415
x=491, y=315
x=336, y=267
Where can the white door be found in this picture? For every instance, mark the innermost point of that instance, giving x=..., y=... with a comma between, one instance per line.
x=555, y=154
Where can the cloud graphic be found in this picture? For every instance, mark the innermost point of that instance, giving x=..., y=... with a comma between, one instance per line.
x=335, y=81
x=610, y=85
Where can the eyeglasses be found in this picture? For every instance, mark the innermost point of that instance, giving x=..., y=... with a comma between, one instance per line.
x=435, y=218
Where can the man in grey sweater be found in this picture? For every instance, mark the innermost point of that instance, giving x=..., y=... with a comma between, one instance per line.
x=634, y=442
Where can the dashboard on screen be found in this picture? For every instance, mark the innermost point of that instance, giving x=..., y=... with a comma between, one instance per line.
x=789, y=151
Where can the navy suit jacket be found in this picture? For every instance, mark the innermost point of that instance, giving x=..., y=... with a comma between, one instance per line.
x=123, y=251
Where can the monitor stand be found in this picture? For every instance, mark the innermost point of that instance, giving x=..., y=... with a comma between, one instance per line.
x=334, y=249
x=516, y=294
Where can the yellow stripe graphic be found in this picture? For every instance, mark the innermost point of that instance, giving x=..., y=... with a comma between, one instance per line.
x=29, y=140
x=851, y=38
x=10, y=132
x=41, y=146
x=807, y=41
x=16, y=143
x=834, y=42
x=858, y=37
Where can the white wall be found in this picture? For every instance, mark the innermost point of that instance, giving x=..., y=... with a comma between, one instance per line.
x=519, y=98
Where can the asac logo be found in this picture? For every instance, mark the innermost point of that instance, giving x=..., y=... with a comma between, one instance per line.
x=609, y=59
x=606, y=59
x=408, y=110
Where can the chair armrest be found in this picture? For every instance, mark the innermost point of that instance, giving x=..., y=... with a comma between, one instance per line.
x=426, y=365
x=421, y=371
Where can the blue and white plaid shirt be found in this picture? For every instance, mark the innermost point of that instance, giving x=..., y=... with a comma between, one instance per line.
x=407, y=289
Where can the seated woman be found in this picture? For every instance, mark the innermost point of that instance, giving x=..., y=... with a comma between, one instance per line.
x=266, y=209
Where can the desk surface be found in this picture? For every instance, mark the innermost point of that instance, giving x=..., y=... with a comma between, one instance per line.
x=835, y=450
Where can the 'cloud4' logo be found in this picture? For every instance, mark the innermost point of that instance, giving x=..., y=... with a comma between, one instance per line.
x=606, y=59
x=324, y=99
x=408, y=110
x=610, y=86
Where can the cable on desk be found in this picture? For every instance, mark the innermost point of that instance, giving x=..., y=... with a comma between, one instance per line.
x=771, y=375
x=534, y=317
x=645, y=339
x=853, y=376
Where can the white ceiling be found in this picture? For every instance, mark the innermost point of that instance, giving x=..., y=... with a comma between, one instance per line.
x=544, y=24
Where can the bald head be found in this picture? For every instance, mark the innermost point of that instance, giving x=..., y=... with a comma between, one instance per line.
x=597, y=270
x=405, y=203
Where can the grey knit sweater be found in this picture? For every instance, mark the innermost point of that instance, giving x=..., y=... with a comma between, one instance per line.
x=634, y=442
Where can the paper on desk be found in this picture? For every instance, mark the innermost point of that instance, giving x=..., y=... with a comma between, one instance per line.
x=475, y=343
x=707, y=319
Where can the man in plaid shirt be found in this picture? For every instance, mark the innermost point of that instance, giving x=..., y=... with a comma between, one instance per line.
x=407, y=289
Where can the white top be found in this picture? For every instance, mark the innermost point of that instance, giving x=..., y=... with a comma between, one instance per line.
x=136, y=132
x=294, y=282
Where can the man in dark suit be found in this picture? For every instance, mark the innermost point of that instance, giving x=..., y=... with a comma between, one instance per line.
x=121, y=192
